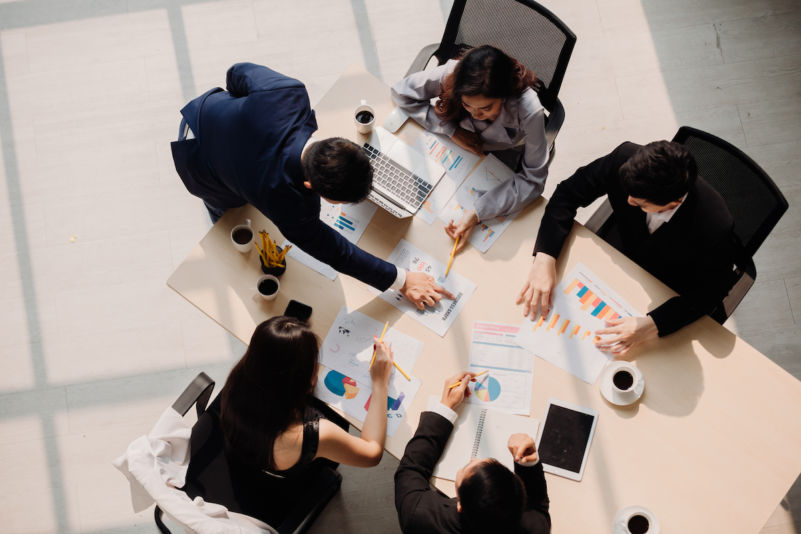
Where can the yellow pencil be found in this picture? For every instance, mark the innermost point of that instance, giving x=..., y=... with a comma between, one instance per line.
x=401, y=370
x=453, y=251
x=380, y=340
x=459, y=382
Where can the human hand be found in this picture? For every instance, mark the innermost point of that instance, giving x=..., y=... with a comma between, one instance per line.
x=382, y=365
x=537, y=293
x=523, y=448
x=468, y=140
x=463, y=228
x=422, y=291
x=625, y=333
x=453, y=396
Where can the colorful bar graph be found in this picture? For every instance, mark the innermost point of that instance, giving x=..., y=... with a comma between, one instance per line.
x=590, y=301
x=344, y=224
x=564, y=326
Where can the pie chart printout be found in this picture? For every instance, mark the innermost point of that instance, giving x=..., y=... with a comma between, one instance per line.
x=487, y=390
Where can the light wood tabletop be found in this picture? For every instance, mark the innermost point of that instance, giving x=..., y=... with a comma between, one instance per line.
x=712, y=446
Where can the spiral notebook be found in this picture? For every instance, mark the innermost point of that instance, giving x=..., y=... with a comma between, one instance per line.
x=482, y=433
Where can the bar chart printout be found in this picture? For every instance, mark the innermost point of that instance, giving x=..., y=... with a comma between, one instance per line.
x=581, y=305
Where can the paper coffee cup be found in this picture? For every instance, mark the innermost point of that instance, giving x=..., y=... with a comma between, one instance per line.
x=242, y=237
x=364, y=118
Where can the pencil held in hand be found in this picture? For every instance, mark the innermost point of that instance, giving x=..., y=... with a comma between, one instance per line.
x=384, y=331
x=471, y=380
x=453, y=251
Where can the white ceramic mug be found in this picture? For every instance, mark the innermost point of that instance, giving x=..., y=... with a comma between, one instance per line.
x=364, y=118
x=238, y=231
x=263, y=291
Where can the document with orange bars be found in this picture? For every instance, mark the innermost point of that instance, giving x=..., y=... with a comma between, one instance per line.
x=582, y=303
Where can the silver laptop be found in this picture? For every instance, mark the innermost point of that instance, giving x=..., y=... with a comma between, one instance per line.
x=402, y=176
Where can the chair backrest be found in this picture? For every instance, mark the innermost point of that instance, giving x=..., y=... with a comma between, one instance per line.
x=756, y=204
x=523, y=29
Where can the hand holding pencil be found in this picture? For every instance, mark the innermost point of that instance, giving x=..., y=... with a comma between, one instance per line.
x=453, y=395
x=381, y=369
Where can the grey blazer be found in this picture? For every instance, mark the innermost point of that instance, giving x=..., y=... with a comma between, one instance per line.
x=521, y=121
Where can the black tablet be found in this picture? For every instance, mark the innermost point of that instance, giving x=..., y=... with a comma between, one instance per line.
x=564, y=438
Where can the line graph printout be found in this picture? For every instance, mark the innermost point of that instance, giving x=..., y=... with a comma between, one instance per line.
x=457, y=163
x=490, y=173
x=353, y=398
x=582, y=303
x=506, y=385
x=441, y=316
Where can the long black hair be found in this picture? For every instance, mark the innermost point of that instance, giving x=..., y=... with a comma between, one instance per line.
x=269, y=388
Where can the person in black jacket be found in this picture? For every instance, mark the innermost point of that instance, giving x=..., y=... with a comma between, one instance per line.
x=667, y=219
x=490, y=498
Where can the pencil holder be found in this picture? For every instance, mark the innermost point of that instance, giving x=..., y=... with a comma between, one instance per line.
x=275, y=271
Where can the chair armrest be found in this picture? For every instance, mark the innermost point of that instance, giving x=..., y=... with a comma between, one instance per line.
x=422, y=59
x=738, y=291
x=554, y=123
x=198, y=392
x=601, y=215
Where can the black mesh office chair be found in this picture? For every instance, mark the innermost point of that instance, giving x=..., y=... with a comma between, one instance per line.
x=753, y=199
x=219, y=478
x=523, y=29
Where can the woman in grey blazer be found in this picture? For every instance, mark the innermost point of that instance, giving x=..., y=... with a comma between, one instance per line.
x=484, y=103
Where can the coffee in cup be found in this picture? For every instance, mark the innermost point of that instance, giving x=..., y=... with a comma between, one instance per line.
x=267, y=286
x=623, y=380
x=638, y=524
x=242, y=236
x=364, y=118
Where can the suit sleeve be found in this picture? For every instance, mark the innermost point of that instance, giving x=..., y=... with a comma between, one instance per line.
x=245, y=78
x=580, y=190
x=710, y=281
x=413, y=95
x=525, y=186
x=327, y=246
x=422, y=453
x=536, y=490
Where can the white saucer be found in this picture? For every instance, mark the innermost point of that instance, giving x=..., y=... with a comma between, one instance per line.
x=622, y=518
x=613, y=396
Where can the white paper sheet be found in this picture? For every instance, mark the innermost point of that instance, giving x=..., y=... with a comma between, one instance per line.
x=457, y=163
x=441, y=316
x=348, y=347
x=489, y=173
x=581, y=304
x=309, y=261
x=506, y=385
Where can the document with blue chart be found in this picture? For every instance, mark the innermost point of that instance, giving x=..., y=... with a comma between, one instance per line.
x=506, y=384
x=441, y=316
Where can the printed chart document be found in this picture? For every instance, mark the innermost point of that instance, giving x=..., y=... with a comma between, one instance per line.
x=506, y=385
x=581, y=304
x=457, y=163
x=481, y=433
x=489, y=173
x=349, y=220
x=441, y=316
x=346, y=353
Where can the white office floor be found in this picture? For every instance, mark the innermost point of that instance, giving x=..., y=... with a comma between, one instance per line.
x=93, y=219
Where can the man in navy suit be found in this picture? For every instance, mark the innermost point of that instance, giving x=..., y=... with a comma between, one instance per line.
x=665, y=217
x=253, y=144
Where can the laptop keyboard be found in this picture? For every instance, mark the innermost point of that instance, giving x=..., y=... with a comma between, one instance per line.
x=395, y=180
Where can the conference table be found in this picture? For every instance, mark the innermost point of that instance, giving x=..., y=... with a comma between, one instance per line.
x=713, y=444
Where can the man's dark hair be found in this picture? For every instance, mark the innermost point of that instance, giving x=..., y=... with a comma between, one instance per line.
x=659, y=172
x=338, y=169
x=492, y=499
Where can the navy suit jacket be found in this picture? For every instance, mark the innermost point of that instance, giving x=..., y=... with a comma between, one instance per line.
x=693, y=253
x=423, y=510
x=247, y=148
